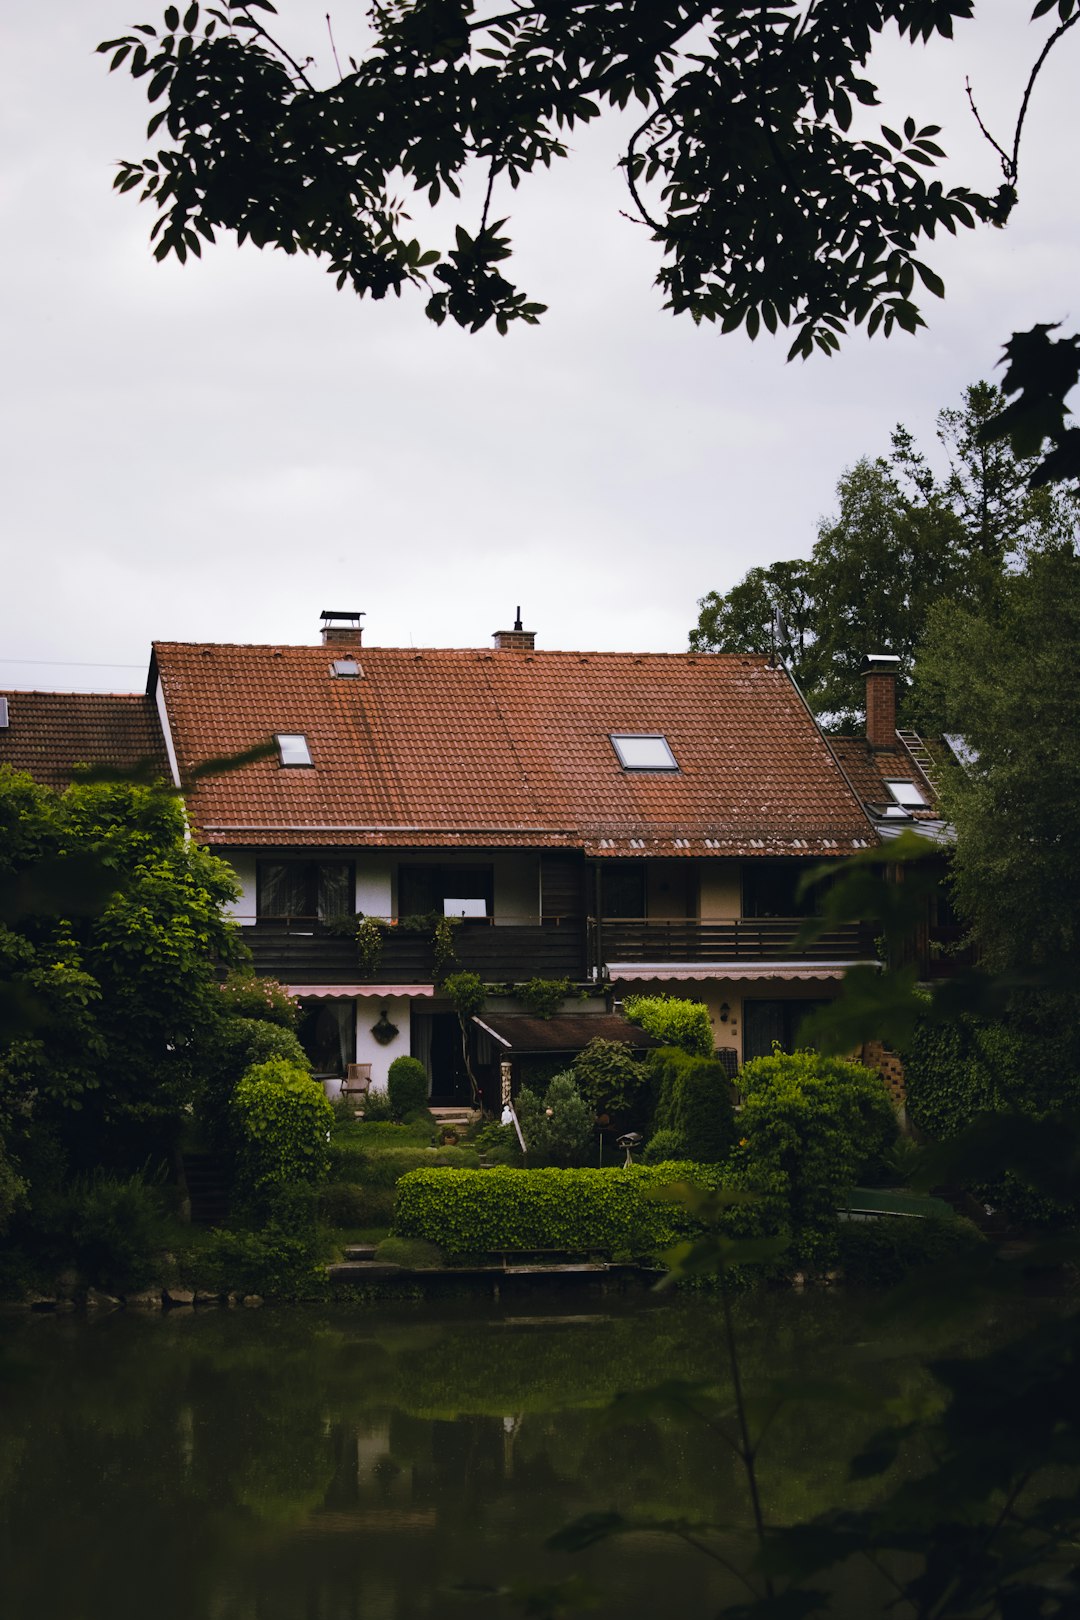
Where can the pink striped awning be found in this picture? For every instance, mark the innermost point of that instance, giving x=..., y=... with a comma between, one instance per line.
x=346, y=992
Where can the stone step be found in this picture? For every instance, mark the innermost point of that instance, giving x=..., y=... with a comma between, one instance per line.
x=360, y=1251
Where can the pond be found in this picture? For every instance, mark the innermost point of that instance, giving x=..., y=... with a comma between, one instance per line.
x=399, y=1462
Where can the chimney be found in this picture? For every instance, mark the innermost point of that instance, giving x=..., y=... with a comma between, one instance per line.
x=880, y=672
x=341, y=629
x=517, y=639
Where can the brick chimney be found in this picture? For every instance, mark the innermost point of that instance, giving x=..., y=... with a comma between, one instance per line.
x=515, y=640
x=879, y=672
x=341, y=629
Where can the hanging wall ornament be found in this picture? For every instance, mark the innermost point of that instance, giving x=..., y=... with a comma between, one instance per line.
x=384, y=1031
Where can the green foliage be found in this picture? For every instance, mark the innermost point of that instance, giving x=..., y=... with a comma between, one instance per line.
x=663, y=1146
x=607, y=1211
x=412, y=1253
x=558, y=1128
x=809, y=1125
x=902, y=543
x=376, y=1107
x=245, y=995
x=614, y=1079
x=1003, y=682
x=674, y=1021
x=881, y=1253
x=543, y=997
x=369, y=946
x=283, y=1123
x=278, y=1261
x=407, y=1087
x=444, y=957
x=466, y=993
x=694, y=1103
x=451, y=81
x=343, y=1203
x=117, y=1230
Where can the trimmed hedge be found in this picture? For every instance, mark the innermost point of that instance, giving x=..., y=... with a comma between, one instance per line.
x=408, y=1085
x=879, y=1254
x=675, y=1021
x=476, y=1212
x=283, y=1122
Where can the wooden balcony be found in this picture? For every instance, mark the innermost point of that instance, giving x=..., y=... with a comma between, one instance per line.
x=741, y=940
x=304, y=950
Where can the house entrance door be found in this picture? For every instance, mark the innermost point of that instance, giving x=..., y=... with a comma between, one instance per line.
x=436, y=1042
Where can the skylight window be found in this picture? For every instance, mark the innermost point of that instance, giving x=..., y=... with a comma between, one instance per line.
x=643, y=751
x=293, y=748
x=906, y=793
x=345, y=666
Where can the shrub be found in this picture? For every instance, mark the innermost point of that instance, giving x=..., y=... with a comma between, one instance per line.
x=470, y=1212
x=274, y=1262
x=117, y=1228
x=283, y=1122
x=809, y=1124
x=693, y=1102
x=376, y=1107
x=558, y=1129
x=412, y=1253
x=879, y=1254
x=614, y=1081
x=407, y=1087
x=662, y=1146
x=245, y=995
x=543, y=997
x=342, y=1203
x=674, y=1021
x=252, y=1040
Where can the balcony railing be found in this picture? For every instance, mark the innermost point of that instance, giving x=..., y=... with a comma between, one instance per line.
x=742, y=939
x=303, y=949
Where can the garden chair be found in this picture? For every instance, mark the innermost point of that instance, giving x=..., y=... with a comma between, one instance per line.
x=356, y=1081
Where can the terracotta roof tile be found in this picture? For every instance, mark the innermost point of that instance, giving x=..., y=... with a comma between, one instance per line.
x=869, y=769
x=441, y=747
x=50, y=732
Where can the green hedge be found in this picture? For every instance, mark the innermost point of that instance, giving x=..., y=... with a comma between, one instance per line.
x=409, y=1087
x=283, y=1123
x=476, y=1212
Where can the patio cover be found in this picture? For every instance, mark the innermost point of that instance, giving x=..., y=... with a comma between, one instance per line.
x=762, y=972
x=565, y=1032
x=342, y=992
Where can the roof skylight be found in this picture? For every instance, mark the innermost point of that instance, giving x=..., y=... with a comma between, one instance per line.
x=345, y=666
x=906, y=793
x=293, y=748
x=643, y=751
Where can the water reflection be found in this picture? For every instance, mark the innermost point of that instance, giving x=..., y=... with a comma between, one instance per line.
x=332, y=1464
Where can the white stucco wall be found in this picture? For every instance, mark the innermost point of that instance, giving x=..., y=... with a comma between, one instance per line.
x=720, y=889
x=368, y=1049
x=374, y=885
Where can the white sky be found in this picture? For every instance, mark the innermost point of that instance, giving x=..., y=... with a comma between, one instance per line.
x=220, y=451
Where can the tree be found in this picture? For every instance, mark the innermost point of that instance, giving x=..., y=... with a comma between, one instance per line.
x=1007, y=684
x=904, y=539
x=119, y=997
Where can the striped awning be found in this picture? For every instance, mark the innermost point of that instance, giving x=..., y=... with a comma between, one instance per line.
x=709, y=972
x=347, y=992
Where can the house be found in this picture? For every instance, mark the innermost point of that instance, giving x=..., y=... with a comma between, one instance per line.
x=633, y=822
x=51, y=734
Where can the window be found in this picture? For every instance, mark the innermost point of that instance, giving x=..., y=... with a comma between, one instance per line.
x=643, y=751
x=305, y=890
x=293, y=748
x=426, y=888
x=622, y=888
x=767, y=1021
x=771, y=889
x=347, y=667
x=905, y=793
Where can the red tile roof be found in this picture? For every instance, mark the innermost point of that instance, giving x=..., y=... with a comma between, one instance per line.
x=468, y=748
x=869, y=769
x=50, y=732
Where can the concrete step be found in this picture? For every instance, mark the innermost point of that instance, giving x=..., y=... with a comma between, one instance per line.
x=360, y=1251
x=362, y=1271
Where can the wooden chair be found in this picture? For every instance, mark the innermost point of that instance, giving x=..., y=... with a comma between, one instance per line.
x=356, y=1081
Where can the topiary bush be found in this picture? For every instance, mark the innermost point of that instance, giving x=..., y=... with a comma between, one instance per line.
x=558, y=1128
x=693, y=1103
x=407, y=1086
x=808, y=1126
x=674, y=1021
x=283, y=1122
x=607, y=1211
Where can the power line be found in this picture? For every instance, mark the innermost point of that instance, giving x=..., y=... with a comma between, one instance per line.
x=71, y=663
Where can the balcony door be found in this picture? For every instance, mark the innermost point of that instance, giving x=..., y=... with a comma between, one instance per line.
x=767, y=1021
x=304, y=890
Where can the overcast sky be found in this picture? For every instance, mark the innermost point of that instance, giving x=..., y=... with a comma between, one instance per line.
x=218, y=452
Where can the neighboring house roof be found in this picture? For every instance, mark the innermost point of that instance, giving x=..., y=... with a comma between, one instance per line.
x=468, y=748
x=49, y=733
x=870, y=771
